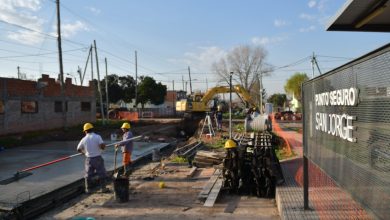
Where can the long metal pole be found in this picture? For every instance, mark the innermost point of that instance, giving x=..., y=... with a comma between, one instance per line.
x=261, y=92
x=107, y=101
x=230, y=105
x=60, y=62
x=136, y=79
x=99, y=87
x=305, y=159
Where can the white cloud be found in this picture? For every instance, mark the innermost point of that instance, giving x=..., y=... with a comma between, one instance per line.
x=33, y=5
x=267, y=40
x=280, y=23
x=202, y=59
x=19, y=13
x=69, y=30
x=26, y=37
x=94, y=10
x=308, y=29
x=307, y=16
x=312, y=4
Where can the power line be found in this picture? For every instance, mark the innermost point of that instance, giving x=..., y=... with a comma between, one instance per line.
x=35, y=55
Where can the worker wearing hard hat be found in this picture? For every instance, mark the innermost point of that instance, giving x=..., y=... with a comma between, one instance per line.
x=229, y=144
x=218, y=116
x=91, y=146
x=127, y=147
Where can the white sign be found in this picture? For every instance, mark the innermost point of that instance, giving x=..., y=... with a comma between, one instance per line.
x=339, y=125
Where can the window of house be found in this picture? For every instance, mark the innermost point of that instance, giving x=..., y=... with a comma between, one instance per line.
x=2, y=107
x=29, y=106
x=58, y=106
x=85, y=106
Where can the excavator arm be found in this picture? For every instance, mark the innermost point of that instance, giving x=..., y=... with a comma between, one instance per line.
x=225, y=89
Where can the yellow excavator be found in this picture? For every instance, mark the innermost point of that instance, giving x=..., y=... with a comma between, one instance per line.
x=198, y=103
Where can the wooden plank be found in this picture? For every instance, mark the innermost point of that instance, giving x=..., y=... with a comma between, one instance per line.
x=209, y=185
x=191, y=172
x=214, y=193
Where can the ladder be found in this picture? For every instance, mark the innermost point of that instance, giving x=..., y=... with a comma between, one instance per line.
x=207, y=124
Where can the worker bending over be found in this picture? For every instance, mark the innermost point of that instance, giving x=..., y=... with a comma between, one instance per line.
x=92, y=146
x=127, y=147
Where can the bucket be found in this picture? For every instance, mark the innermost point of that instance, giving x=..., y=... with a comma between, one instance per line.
x=121, y=189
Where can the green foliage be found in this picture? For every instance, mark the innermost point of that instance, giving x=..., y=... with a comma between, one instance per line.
x=127, y=83
x=277, y=99
x=178, y=159
x=293, y=84
x=218, y=143
x=239, y=127
x=118, y=88
x=150, y=91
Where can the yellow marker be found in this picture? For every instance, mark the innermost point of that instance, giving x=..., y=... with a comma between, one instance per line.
x=161, y=185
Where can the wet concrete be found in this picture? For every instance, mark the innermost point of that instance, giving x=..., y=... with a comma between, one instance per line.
x=49, y=178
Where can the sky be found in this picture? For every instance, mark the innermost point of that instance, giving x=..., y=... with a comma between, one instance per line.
x=170, y=35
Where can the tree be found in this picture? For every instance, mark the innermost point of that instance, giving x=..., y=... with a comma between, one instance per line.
x=127, y=84
x=247, y=63
x=277, y=99
x=114, y=90
x=150, y=91
x=293, y=84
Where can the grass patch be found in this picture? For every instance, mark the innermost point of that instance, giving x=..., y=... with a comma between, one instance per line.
x=216, y=143
x=282, y=153
x=281, y=148
x=239, y=128
x=179, y=159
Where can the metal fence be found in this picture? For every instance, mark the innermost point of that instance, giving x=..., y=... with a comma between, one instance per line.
x=347, y=128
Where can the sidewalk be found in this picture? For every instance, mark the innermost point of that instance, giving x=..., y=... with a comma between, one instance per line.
x=326, y=199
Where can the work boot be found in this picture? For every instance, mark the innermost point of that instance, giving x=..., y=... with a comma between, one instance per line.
x=87, y=183
x=103, y=187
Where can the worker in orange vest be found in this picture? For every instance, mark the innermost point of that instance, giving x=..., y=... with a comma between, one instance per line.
x=127, y=147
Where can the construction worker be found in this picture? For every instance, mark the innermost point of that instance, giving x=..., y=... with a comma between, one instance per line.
x=127, y=147
x=218, y=116
x=92, y=146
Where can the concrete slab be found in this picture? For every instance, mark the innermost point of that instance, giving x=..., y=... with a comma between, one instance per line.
x=49, y=178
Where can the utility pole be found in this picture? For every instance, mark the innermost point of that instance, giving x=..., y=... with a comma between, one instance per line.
x=207, y=84
x=107, y=101
x=85, y=67
x=230, y=105
x=173, y=98
x=189, y=74
x=18, y=72
x=314, y=61
x=182, y=81
x=136, y=79
x=80, y=76
x=312, y=66
x=99, y=87
x=91, y=63
x=60, y=63
x=186, y=87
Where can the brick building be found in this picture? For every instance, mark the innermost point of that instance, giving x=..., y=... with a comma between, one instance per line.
x=29, y=105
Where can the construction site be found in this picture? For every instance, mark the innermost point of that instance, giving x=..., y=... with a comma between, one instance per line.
x=231, y=136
